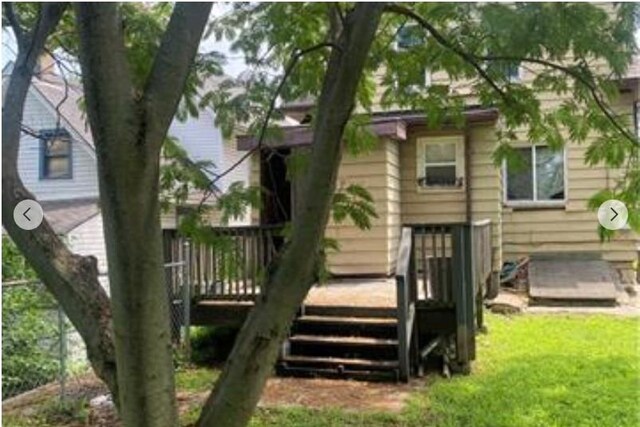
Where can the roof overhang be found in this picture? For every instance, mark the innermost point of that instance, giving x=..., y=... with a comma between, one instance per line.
x=388, y=125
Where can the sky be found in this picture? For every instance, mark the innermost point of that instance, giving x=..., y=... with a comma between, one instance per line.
x=234, y=66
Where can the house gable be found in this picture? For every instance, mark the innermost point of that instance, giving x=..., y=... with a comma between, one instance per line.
x=39, y=115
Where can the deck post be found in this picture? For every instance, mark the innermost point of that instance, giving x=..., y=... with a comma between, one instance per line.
x=186, y=301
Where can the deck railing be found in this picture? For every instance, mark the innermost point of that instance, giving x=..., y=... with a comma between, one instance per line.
x=407, y=296
x=441, y=265
x=233, y=263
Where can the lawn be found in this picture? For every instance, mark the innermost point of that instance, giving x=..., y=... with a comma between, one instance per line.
x=533, y=370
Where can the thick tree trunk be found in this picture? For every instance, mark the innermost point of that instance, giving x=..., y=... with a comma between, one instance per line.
x=128, y=175
x=72, y=279
x=128, y=127
x=140, y=305
x=238, y=390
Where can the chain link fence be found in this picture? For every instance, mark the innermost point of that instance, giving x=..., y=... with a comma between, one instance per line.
x=40, y=347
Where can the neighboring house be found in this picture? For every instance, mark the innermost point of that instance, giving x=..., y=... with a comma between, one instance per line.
x=419, y=176
x=59, y=167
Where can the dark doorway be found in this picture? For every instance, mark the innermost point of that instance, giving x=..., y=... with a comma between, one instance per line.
x=276, y=194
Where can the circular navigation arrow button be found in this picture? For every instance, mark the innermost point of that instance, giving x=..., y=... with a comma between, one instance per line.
x=613, y=214
x=28, y=214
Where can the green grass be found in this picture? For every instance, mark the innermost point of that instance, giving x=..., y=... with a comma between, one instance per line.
x=531, y=371
x=196, y=379
x=547, y=371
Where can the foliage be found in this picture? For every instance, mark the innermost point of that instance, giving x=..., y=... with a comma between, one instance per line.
x=14, y=264
x=356, y=203
x=475, y=45
x=29, y=327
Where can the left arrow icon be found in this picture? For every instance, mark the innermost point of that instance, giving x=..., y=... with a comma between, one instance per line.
x=28, y=214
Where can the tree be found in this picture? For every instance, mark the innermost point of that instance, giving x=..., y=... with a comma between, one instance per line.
x=130, y=103
x=332, y=53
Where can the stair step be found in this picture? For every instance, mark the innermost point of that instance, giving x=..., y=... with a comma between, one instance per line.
x=349, y=311
x=373, y=327
x=383, y=321
x=343, y=340
x=364, y=375
x=337, y=362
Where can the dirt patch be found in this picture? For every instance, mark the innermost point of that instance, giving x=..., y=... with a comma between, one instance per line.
x=325, y=393
x=279, y=392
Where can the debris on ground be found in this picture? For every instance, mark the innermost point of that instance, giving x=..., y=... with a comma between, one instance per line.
x=508, y=302
x=515, y=274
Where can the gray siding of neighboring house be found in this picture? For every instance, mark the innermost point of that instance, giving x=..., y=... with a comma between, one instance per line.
x=38, y=115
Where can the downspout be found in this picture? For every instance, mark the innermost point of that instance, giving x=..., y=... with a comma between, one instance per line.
x=467, y=172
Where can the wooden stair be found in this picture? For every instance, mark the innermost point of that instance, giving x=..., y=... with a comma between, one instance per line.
x=342, y=342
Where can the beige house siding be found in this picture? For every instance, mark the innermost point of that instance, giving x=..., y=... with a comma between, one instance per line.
x=423, y=206
x=420, y=205
x=394, y=217
x=573, y=227
x=369, y=252
x=486, y=186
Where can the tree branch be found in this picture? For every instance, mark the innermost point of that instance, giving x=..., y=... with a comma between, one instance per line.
x=474, y=61
x=108, y=87
x=71, y=278
x=593, y=90
x=171, y=67
x=14, y=22
x=466, y=56
x=295, y=57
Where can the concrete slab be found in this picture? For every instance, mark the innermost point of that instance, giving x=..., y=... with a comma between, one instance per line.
x=572, y=279
x=355, y=292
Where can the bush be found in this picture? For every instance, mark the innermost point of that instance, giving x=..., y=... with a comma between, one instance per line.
x=29, y=327
x=211, y=345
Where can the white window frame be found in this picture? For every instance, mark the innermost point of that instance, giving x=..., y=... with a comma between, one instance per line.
x=422, y=164
x=535, y=202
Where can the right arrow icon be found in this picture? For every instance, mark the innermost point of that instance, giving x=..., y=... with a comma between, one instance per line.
x=613, y=214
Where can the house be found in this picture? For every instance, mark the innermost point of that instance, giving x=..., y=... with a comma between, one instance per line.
x=419, y=175
x=57, y=160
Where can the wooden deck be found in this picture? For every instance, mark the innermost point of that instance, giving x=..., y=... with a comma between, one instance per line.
x=359, y=328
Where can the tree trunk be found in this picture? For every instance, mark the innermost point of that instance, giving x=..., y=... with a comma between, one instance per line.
x=256, y=349
x=128, y=127
x=128, y=176
x=72, y=279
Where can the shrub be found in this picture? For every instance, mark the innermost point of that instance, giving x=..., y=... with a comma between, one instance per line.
x=29, y=327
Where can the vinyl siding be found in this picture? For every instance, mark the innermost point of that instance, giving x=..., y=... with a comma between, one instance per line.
x=425, y=206
x=88, y=239
x=573, y=227
x=84, y=182
x=372, y=251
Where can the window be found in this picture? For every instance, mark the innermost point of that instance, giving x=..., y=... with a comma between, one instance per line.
x=415, y=74
x=510, y=71
x=440, y=162
x=410, y=36
x=55, y=155
x=538, y=177
x=513, y=72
